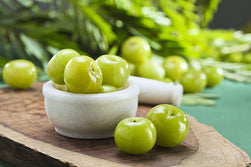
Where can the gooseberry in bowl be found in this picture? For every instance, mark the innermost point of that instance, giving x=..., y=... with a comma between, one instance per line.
x=82, y=75
x=56, y=65
x=115, y=70
x=107, y=88
x=20, y=73
x=89, y=116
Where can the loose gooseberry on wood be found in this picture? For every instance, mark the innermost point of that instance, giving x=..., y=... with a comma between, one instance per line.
x=135, y=135
x=20, y=73
x=171, y=124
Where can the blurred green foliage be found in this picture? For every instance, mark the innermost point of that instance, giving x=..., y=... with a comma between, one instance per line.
x=37, y=29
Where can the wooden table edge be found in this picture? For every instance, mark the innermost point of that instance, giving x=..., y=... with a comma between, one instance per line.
x=206, y=135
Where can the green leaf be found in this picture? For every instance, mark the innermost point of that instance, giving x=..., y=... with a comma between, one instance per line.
x=96, y=19
x=17, y=43
x=3, y=61
x=206, y=10
x=199, y=98
x=35, y=30
x=34, y=48
x=6, y=45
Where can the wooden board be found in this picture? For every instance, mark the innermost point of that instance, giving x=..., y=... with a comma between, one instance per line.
x=27, y=138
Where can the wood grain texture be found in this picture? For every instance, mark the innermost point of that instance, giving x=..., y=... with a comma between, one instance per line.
x=27, y=138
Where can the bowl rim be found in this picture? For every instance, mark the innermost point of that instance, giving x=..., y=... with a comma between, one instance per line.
x=52, y=93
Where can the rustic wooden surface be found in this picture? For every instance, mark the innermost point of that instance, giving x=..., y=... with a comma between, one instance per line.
x=27, y=138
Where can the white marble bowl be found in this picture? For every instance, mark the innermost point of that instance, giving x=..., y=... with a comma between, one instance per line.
x=89, y=116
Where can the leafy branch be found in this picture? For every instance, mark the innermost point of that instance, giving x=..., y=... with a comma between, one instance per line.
x=36, y=29
x=199, y=98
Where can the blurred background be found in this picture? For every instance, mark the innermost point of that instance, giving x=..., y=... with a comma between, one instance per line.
x=211, y=32
x=233, y=14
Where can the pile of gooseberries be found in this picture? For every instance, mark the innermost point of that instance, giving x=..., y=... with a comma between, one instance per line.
x=173, y=68
x=165, y=125
x=77, y=73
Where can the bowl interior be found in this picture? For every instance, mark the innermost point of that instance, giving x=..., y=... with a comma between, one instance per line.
x=130, y=89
